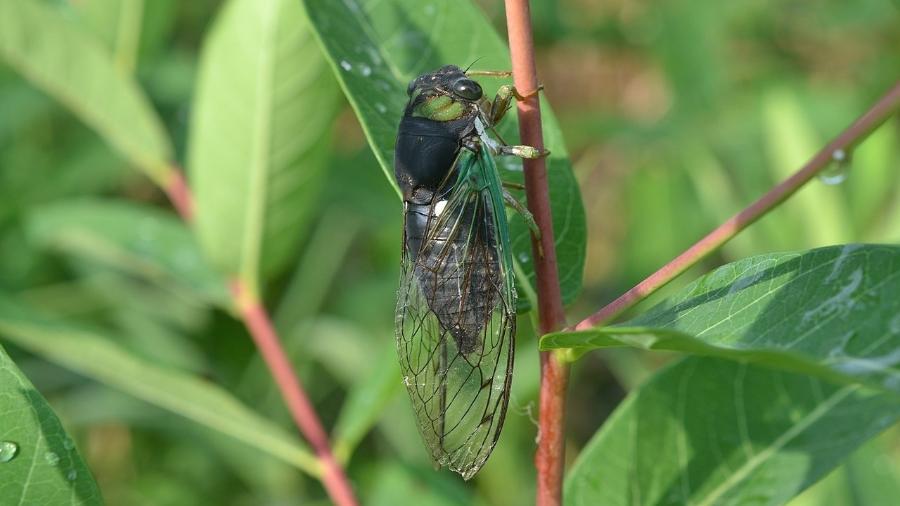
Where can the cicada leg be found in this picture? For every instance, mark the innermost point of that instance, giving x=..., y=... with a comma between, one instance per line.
x=511, y=201
x=489, y=73
x=503, y=100
x=528, y=152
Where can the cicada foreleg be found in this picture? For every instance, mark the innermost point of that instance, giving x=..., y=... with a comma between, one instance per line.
x=503, y=100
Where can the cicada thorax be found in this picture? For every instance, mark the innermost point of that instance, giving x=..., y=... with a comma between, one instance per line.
x=424, y=156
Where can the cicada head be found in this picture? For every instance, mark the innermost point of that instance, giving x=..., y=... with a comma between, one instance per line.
x=447, y=94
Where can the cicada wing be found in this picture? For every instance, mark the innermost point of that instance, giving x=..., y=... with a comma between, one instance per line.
x=455, y=325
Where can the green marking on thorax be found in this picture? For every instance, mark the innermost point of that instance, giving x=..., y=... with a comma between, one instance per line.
x=440, y=108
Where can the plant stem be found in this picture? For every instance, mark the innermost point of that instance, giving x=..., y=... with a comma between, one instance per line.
x=844, y=143
x=550, y=457
x=260, y=328
x=180, y=194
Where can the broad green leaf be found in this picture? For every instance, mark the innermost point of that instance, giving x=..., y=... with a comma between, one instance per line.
x=89, y=353
x=138, y=239
x=377, y=46
x=39, y=463
x=833, y=311
x=711, y=432
x=870, y=477
x=75, y=69
x=117, y=23
x=264, y=107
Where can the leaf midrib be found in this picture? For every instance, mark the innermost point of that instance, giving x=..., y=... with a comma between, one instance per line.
x=259, y=162
x=751, y=464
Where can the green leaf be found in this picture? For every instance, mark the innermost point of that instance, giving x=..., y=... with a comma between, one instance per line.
x=39, y=463
x=89, y=353
x=75, y=69
x=365, y=403
x=138, y=239
x=263, y=110
x=118, y=24
x=709, y=431
x=868, y=477
x=831, y=311
x=393, y=481
x=376, y=47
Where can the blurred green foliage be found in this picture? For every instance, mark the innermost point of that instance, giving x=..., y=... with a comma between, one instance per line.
x=676, y=114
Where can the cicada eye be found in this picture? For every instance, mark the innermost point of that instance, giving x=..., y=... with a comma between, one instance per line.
x=467, y=89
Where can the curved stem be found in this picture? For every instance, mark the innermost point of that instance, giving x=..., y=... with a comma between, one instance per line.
x=844, y=143
x=550, y=456
x=259, y=325
x=266, y=339
x=179, y=194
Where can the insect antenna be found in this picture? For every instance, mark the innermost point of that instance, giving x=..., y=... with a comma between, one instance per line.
x=473, y=63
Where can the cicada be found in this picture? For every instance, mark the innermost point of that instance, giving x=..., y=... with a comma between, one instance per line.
x=456, y=307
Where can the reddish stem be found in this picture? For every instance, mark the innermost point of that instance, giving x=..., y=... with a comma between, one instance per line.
x=180, y=195
x=258, y=324
x=260, y=327
x=550, y=457
x=887, y=105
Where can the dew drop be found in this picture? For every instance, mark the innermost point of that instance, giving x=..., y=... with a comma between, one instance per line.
x=365, y=70
x=51, y=458
x=523, y=257
x=68, y=444
x=346, y=65
x=381, y=108
x=71, y=475
x=8, y=451
x=836, y=173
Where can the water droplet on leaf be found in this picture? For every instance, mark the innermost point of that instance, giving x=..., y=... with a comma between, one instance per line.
x=523, y=257
x=71, y=475
x=365, y=70
x=8, y=451
x=346, y=65
x=68, y=444
x=51, y=458
x=381, y=108
x=836, y=172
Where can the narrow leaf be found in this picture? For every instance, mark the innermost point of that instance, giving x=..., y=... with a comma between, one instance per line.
x=39, y=463
x=707, y=432
x=74, y=68
x=365, y=403
x=138, y=239
x=263, y=109
x=832, y=311
x=96, y=356
x=377, y=46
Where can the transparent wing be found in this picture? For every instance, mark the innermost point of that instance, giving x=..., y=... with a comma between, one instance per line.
x=456, y=319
